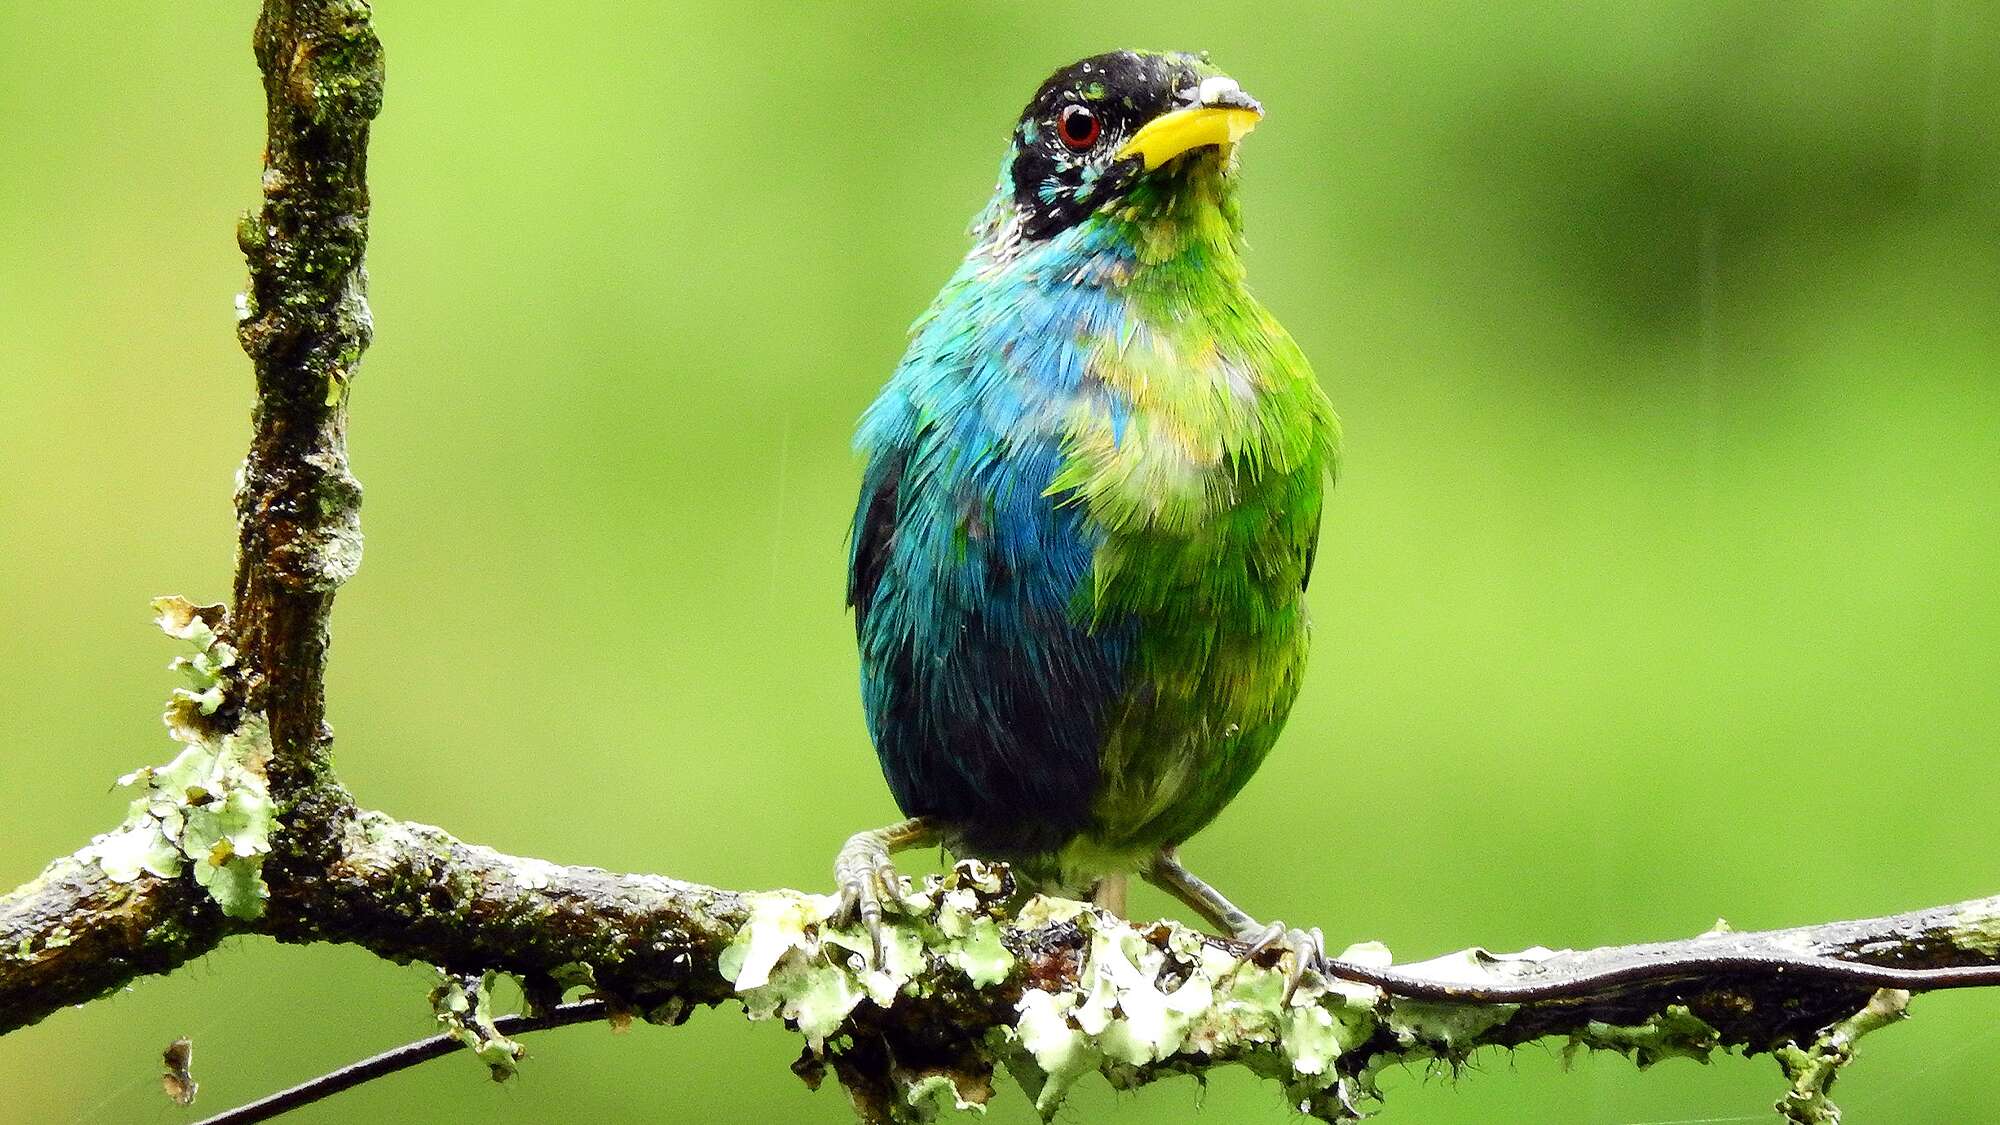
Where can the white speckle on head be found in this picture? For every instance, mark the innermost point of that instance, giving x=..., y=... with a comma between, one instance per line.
x=1213, y=90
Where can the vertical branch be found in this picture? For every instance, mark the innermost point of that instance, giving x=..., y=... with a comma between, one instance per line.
x=304, y=324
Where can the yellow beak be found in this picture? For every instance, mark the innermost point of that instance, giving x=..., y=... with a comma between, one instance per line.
x=1170, y=134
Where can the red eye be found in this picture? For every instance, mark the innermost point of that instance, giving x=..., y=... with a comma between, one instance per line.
x=1078, y=127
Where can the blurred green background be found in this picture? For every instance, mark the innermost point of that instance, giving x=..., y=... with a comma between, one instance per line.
x=1660, y=586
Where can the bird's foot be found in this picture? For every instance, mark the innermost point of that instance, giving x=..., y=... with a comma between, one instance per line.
x=1303, y=952
x=867, y=879
x=1306, y=947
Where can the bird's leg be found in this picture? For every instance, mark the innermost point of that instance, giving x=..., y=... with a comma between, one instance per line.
x=867, y=878
x=1109, y=893
x=1307, y=947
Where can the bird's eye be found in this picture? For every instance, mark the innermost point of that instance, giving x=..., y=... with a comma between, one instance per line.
x=1078, y=128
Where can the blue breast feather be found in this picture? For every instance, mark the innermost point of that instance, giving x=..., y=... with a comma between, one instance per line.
x=987, y=694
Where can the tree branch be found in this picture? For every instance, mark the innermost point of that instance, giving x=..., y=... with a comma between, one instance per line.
x=74, y=934
x=411, y=892
x=247, y=830
x=1056, y=990
x=304, y=324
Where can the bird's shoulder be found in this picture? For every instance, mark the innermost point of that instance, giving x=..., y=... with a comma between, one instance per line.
x=1194, y=409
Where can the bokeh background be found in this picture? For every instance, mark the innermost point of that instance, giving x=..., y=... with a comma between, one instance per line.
x=1660, y=585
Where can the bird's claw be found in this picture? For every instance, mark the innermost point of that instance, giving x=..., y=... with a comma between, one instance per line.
x=1306, y=947
x=868, y=882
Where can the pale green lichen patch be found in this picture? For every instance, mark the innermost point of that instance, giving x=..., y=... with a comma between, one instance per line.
x=1042, y=910
x=1061, y=1052
x=934, y=1095
x=1132, y=1003
x=1144, y=998
x=209, y=808
x=789, y=962
x=1813, y=1068
x=972, y=945
x=1673, y=1033
x=1141, y=1003
x=140, y=846
x=464, y=1009
x=204, y=668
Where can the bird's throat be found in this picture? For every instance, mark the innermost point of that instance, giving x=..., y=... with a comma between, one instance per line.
x=1181, y=224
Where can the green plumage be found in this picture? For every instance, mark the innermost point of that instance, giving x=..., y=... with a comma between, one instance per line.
x=1210, y=503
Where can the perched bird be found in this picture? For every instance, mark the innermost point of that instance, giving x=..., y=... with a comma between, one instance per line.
x=1089, y=508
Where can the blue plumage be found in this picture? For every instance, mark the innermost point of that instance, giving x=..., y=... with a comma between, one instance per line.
x=985, y=694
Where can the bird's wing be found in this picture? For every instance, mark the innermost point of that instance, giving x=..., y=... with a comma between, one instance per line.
x=1312, y=553
x=874, y=531
x=986, y=695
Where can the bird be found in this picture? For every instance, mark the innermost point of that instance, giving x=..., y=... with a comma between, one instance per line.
x=1089, y=507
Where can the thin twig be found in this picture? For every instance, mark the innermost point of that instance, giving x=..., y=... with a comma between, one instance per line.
x=391, y=1061
x=1596, y=983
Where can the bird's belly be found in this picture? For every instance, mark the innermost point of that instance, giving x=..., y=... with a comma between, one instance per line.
x=1186, y=739
x=1217, y=601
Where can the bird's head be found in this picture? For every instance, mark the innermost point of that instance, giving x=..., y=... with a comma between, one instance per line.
x=1123, y=131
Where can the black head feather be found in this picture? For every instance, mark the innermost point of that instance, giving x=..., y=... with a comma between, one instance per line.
x=1058, y=181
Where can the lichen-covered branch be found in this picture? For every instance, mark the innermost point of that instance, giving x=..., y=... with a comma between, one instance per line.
x=75, y=933
x=246, y=829
x=1056, y=991
x=304, y=322
x=974, y=981
x=254, y=770
x=411, y=892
